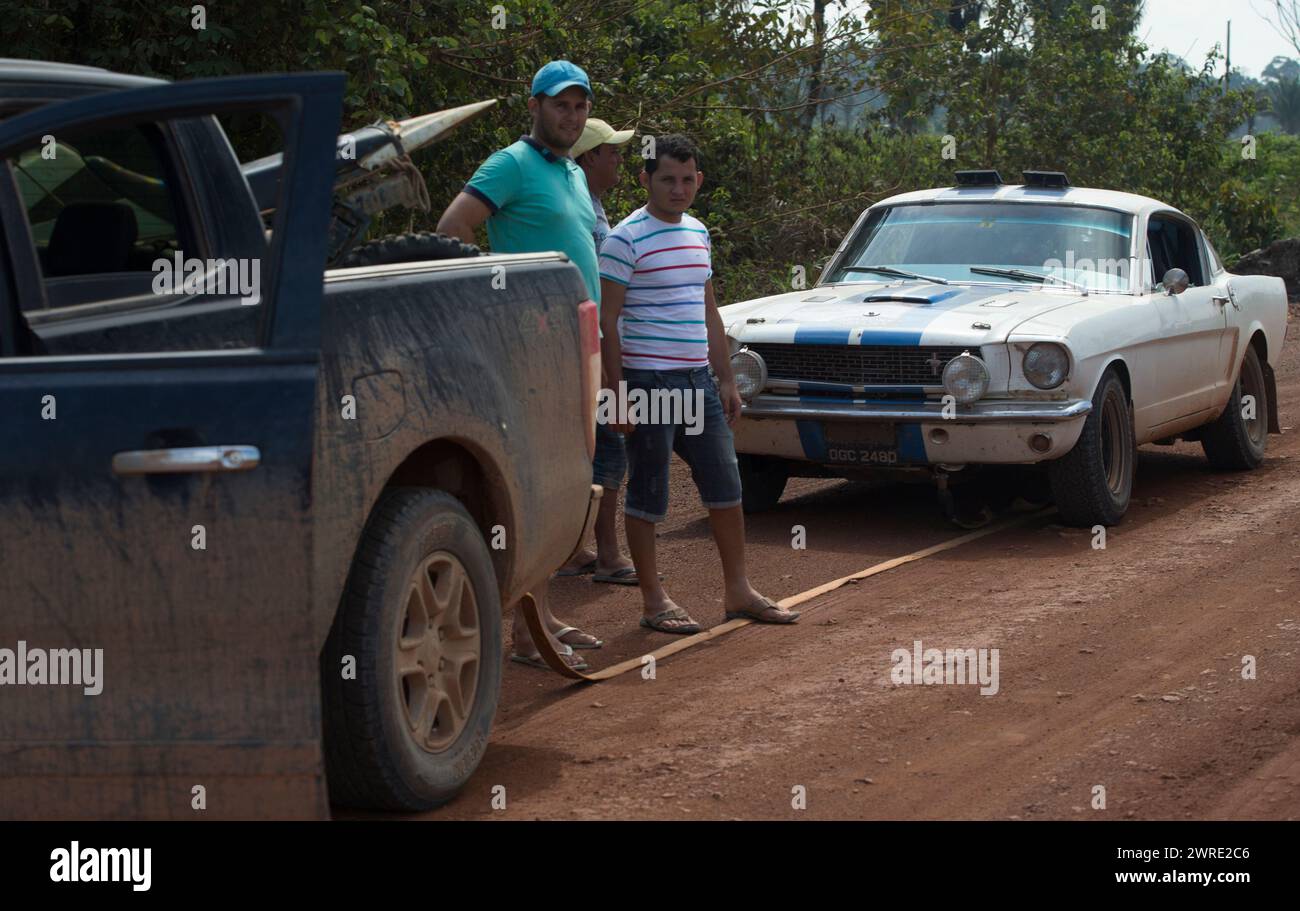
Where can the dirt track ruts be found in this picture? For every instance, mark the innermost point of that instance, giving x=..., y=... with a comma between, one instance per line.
x=1118, y=667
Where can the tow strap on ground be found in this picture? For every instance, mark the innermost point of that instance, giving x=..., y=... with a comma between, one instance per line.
x=532, y=616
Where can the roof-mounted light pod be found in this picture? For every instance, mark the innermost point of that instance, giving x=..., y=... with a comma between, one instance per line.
x=985, y=178
x=1046, y=180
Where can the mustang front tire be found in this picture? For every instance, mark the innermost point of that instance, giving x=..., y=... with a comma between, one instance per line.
x=1092, y=483
x=420, y=625
x=762, y=481
x=1235, y=442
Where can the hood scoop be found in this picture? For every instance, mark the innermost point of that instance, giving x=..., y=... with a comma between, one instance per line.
x=898, y=298
x=923, y=295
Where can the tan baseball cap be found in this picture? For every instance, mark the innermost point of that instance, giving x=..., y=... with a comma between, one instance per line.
x=598, y=132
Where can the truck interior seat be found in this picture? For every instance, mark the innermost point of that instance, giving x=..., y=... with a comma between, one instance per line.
x=91, y=237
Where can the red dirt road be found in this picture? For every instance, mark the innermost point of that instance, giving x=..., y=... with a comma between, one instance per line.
x=1119, y=668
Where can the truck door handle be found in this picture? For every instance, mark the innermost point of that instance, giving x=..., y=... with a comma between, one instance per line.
x=187, y=459
x=1221, y=301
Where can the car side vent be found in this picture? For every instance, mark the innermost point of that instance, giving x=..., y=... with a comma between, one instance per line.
x=1048, y=180
x=979, y=179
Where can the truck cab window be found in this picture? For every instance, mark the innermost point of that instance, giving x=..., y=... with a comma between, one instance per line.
x=101, y=205
x=129, y=252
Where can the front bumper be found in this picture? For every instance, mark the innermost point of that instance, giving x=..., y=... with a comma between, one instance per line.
x=790, y=407
x=844, y=434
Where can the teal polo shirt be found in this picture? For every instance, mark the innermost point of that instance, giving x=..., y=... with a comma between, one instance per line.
x=539, y=202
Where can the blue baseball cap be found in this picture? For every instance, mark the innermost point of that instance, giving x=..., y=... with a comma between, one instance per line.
x=557, y=76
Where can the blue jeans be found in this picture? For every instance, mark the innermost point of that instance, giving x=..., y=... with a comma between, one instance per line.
x=610, y=464
x=710, y=453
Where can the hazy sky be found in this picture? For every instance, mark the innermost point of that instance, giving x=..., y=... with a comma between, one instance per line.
x=1176, y=25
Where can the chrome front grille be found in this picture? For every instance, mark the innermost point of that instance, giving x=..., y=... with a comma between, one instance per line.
x=859, y=365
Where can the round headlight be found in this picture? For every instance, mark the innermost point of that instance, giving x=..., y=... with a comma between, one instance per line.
x=750, y=373
x=966, y=378
x=1046, y=365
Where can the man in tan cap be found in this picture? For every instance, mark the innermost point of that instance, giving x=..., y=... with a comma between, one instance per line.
x=597, y=153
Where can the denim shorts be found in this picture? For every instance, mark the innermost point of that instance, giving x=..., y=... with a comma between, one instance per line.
x=711, y=453
x=610, y=464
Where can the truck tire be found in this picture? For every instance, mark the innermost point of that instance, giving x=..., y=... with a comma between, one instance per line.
x=1232, y=442
x=762, y=481
x=406, y=248
x=1092, y=483
x=421, y=620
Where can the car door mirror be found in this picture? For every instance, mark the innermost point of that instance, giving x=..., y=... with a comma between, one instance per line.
x=1175, y=281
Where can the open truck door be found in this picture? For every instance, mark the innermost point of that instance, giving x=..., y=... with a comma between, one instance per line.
x=156, y=505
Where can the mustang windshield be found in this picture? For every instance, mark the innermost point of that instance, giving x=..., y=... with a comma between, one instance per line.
x=1089, y=247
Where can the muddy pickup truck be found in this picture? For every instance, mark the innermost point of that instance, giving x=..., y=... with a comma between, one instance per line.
x=259, y=515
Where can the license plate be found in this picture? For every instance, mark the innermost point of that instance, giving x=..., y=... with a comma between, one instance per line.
x=861, y=444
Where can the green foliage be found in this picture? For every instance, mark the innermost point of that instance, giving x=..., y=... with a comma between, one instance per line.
x=1023, y=84
x=1258, y=202
x=1284, y=103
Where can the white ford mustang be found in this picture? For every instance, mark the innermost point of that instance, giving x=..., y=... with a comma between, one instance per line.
x=993, y=324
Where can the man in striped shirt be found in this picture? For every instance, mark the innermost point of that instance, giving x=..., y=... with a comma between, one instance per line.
x=662, y=332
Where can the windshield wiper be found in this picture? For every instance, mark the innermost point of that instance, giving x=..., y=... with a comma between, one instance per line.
x=1027, y=276
x=898, y=273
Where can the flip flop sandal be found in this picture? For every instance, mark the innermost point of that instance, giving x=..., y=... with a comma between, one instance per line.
x=595, y=643
x=756, y=610
x=583, y=570
x=537, y=662
x=673, y=613
x=625, y=576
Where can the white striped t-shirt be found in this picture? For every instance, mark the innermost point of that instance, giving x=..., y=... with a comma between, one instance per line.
x=665, y=267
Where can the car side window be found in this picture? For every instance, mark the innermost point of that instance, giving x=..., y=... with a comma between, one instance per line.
x=1212, y=256
x=124, y=264
x=1173, y=244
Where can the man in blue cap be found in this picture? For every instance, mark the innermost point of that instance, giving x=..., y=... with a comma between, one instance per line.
x=534, y=198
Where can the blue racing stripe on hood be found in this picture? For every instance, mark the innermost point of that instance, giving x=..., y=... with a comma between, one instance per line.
x=897, y=322
x=813, y=335
x=892, y=336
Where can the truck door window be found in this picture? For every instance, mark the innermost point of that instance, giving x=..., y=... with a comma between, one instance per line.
x=100, y=204
x=125, y=263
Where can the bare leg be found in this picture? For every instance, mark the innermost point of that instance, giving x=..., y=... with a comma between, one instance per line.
x=522, y=638
x=579, y=560
x=609, y=557
x=654, y=600
x=729, y=534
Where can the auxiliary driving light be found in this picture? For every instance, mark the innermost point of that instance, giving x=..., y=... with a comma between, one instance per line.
x=966, y=378
x=750, y=373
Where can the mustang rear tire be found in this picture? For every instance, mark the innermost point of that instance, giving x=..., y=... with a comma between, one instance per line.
x=421, y=622
x=762, y=481
x=1092, y=483
x=1234, y=442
